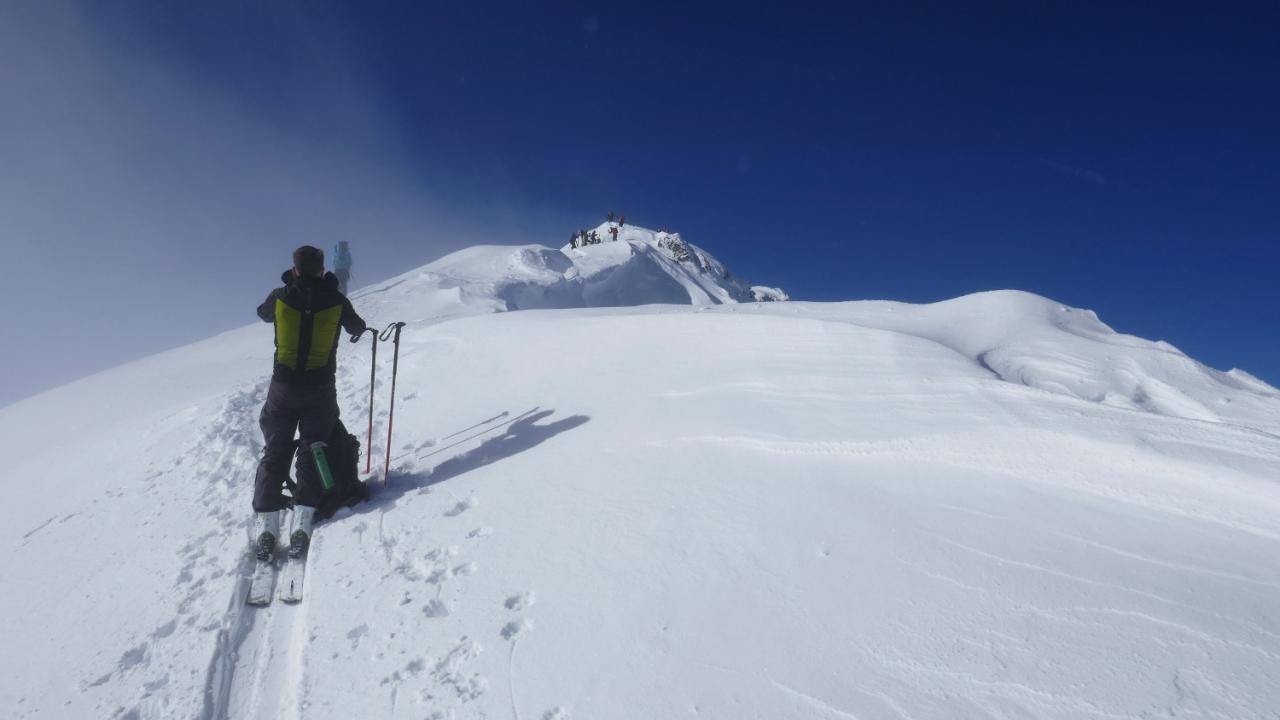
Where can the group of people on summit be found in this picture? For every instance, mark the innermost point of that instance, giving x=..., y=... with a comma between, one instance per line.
x=582, y=238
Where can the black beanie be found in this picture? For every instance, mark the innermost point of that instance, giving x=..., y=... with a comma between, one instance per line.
x=309, y=260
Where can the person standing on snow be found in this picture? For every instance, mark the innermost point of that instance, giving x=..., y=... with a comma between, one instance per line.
x=342, y=265
x=307, y=313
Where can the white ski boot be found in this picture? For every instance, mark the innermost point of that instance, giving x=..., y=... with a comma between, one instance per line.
x=300, y=540
x=266, y=530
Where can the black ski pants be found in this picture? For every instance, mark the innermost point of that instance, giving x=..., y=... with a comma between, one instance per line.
x=309, y=409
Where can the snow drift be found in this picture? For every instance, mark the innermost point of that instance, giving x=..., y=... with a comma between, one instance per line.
x=993, y=506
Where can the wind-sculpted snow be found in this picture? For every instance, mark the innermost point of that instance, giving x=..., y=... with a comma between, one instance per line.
x=642, y=267
x=989, y=507
x=1033, y=341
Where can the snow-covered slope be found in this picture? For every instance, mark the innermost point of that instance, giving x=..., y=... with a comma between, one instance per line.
x=993, y=506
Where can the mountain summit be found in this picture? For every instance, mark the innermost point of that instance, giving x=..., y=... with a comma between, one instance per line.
x=642, y=267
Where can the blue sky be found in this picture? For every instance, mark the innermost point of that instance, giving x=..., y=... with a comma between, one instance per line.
x=1122, y=159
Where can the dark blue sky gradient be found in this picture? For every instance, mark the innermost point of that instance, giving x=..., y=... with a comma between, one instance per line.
x=1118, y=157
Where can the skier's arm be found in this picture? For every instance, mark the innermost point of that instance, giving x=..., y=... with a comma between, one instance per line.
x=267, y=310
x=351, y=322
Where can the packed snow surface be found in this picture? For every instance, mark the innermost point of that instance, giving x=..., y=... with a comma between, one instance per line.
x=990, y=507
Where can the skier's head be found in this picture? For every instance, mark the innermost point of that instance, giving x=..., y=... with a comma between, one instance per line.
x=308, y=260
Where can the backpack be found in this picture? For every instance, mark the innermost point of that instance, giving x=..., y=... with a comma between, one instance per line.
x=342, y=451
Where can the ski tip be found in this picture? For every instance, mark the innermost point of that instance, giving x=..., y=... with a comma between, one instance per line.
x=291, y=594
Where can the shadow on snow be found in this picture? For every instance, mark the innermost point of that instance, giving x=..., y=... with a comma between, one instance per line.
x=521, y=434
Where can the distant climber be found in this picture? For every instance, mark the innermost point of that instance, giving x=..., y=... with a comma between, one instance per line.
x=595, y=238
x=622, y=220
x=611, y=216
x=573, y=240
x=342, y=265
x=307, y=313
x=613, y=230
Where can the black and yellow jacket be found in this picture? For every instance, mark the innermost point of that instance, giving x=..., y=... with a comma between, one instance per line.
x=307, y=313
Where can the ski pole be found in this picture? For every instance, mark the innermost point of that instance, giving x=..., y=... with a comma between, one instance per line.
x=373, y=368
x=393, y=331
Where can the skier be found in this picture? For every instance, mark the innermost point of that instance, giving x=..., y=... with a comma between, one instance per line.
x=307, y=313
x=342, y=265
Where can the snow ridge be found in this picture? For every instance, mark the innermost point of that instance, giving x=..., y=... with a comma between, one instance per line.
x=642, y=267
x=1030, y=340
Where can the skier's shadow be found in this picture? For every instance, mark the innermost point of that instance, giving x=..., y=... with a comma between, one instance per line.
x=523, y=434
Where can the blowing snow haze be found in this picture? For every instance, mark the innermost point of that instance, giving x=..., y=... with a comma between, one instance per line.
x=161, y=199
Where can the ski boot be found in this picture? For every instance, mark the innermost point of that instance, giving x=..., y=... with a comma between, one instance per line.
x=266, y=529
x=300, y=540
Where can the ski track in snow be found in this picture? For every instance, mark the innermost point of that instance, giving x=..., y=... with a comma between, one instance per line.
x=821, y=705
x=256, y=670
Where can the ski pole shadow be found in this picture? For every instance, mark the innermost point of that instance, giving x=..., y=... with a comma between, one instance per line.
x=523, y=434
x=465, y=435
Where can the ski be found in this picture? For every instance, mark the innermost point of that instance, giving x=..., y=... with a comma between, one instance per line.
x=266, y=527
x=295, y=572
x=263, y=582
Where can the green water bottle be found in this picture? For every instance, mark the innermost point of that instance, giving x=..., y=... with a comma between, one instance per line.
x=317, y=452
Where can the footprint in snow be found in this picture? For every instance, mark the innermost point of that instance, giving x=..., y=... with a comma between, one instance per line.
x=439, y=554
x=519, y=602
x=165, y=630
x=132, y=658
x=450, y=671
x=463, y=506
x=356, y=633
x=516, y=628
